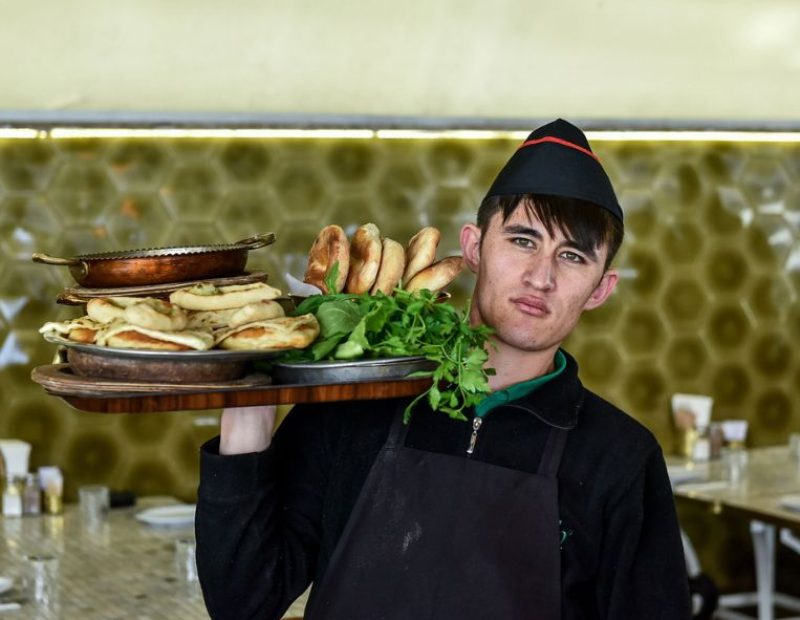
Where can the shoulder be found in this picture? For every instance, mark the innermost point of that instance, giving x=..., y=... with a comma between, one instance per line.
x=608, y=448
x=614, y=427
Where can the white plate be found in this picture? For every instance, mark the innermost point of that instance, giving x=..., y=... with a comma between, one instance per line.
x=6, y=583
x=168, y=516
x=681, y=474
x=790, y=502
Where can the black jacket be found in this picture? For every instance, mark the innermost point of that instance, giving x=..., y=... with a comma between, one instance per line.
x=267, y=523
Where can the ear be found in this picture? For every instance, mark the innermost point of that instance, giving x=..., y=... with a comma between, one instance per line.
x=471, y=246
x=603, y=289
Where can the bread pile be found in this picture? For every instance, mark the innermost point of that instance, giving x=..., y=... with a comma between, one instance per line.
x=197, y=318
x=369, y=262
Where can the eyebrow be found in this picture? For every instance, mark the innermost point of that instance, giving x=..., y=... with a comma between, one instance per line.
x=518, y=229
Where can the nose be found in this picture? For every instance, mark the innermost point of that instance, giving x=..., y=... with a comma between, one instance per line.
x=540, y=273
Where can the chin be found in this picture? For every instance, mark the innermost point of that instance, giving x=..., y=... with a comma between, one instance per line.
x=530, y=344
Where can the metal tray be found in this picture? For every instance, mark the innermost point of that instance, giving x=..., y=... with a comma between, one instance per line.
x=310, y=373
x=182, y=356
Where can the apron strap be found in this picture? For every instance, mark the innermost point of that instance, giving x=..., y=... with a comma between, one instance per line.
x=398, y=430
x=553, y=450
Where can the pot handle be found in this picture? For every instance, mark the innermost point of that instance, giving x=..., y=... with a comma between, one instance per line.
x=40, y=257
x=257, y=241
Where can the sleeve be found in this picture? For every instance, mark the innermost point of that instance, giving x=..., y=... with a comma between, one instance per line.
x=642, y=572
x=258, y=522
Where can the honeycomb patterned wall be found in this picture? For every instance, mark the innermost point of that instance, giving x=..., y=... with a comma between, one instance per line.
x=708, y=301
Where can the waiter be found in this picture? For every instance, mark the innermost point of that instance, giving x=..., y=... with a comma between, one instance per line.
x=551, y=503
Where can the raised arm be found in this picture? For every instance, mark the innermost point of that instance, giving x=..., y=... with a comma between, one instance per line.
x=259, y=513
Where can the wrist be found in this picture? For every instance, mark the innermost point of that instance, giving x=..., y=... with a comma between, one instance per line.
x=246, y=429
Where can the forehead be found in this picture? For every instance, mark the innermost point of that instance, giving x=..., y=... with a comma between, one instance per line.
x=526, y=218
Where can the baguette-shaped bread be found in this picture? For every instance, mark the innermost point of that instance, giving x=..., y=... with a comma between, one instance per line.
x=390, y=272
x=437, y=276
x=421, y=251
x=365, y=259
x=330, y=246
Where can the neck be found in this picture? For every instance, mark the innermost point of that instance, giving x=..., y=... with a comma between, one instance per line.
x=513, y=366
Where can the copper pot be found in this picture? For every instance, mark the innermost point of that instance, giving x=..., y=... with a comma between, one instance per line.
x=159, y=265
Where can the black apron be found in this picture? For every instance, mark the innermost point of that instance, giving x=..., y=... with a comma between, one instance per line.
x=447, y=537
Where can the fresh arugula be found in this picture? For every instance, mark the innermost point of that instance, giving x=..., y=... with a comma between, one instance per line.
x=403, y=324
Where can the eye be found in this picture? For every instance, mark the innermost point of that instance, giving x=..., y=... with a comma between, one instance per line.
x=573, y=257
x=523, y=242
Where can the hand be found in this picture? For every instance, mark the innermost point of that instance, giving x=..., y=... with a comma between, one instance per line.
x=246, y=429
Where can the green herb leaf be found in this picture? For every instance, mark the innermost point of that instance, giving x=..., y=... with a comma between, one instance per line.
x=405, y=324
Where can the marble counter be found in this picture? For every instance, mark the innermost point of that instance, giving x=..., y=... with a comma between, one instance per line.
x=123, y=571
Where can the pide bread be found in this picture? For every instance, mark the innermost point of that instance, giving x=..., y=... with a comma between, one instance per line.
x=108, y=309
x=154, y=324
x=330, y=246
x=393, y=262
x=126, y=336
x=437, y=276
x=234, y=317
x=281, y=333
x=82, y=329
x=365, y=259
x=155, y=314
x=421, y=251
x=209, y=297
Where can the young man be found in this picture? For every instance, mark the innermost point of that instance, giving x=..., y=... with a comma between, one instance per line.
x=550, y=504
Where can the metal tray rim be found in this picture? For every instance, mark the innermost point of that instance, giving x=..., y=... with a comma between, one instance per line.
x=178, y=356
x=361, y=363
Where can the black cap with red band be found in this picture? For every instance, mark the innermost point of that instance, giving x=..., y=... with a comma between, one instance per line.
x=557, y=160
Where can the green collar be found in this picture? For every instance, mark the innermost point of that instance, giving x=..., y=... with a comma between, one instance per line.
x=518, y=390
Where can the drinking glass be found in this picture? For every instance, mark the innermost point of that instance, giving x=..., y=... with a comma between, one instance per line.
x=186, y=566
x=42, y=578
x=94, y=505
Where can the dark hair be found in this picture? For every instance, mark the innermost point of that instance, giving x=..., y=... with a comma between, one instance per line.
x=582, y=221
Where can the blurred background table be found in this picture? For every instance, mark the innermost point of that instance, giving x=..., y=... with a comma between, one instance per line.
x=124, y=571
x=768, y=479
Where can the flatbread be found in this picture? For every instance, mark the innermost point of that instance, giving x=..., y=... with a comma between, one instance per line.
x=365, y=259
x=330, y=246
x=125, y=336
x=234, y=317
x=155, y=314
x=209, y=297
x=275, y=334
x=421, y=251
x=83, y=329
x=393, y=262
x=437, y=276
x=108, y=309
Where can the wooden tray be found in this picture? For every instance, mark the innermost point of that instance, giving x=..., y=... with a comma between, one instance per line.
x=107, y=396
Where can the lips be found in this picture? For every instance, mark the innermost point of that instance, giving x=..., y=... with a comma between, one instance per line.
x=531, y=305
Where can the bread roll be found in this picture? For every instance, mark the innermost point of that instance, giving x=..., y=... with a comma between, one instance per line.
x=330, y=246
x=209, y=297
x=393, y=262
x=437, y=276
x=275, y=334
x=365, y=259
x=421, y=251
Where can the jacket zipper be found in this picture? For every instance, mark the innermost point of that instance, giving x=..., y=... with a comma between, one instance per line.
x=476, y=426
